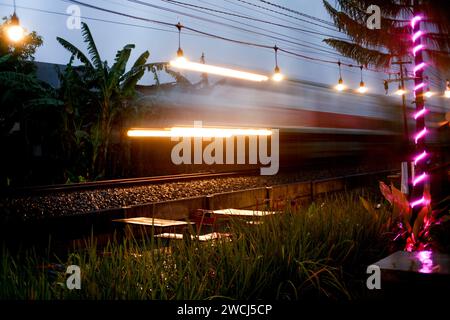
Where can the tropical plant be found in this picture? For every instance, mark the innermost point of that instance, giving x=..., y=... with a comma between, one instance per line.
x=23, y=99
x=109, y=91
x=21, y=53
x=99, y=98
x=413, y=230
x=379, y=47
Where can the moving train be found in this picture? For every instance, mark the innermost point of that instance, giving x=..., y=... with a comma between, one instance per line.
x=316, y=122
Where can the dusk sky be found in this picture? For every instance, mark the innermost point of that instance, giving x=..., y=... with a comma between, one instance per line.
x=161, y=41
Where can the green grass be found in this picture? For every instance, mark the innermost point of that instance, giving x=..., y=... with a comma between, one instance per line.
x=317, y=252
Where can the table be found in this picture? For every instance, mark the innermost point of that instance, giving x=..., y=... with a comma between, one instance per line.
x=244, y=213
x=139, y=225
x=156, y=222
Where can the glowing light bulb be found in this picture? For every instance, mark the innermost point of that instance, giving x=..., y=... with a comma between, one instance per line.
x=340, y=86
x=429, y=94
x=400, y=91
x=447, y=93
x=362, y=87
x=277, y=75
x=15, y=32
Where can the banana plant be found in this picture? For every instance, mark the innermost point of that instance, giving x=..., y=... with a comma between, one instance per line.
x=112, y=87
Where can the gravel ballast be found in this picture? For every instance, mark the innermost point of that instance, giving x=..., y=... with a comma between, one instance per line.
x=79, y=202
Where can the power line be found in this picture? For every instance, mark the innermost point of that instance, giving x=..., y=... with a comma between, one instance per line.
x=294, y=54
x=288, y=15
x=258, y=45
x=309, y=44
x=89, y=18
x=265, y=13
x=249, y=18
x=296, y=12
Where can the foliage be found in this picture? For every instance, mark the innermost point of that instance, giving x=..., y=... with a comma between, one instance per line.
x=412, y=230
x=318, y=252
x=100, y=99
x=379, y=47
x=21, y=53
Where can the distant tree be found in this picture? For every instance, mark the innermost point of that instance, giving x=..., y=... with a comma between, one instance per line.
x=21, y=53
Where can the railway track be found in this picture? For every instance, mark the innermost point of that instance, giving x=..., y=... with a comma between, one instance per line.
x=123, y=183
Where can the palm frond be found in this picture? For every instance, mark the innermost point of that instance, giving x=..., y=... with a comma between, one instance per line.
x=355, y=27
x=360, y=54
x=441, y=60
x=75, y=52
x=19, y=81
x=92, y=48
x=118, y=68
x=179, y=78
x=4, y=58
x=43, y=102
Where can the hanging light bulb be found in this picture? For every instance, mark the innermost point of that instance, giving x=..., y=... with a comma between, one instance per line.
x=401, y=91
x=447, y=90
x=277, y=75
x=15, y=31
x=362, y=86
x=180, y=54
x=340, y=86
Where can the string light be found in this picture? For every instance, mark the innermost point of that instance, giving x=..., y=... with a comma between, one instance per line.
x=340, y=86
x=362, y=87
x=15, y=31
x=420, y=113
x=277, y=75
x=401, y=91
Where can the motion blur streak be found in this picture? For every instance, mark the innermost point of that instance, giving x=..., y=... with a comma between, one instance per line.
x=198, y=132
x=205, y=68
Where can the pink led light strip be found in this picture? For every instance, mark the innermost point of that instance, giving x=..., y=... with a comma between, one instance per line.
x=419, y=114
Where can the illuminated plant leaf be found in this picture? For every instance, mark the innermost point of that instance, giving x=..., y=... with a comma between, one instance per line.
x=386, y=191
x=419, y=221
x=369, y=207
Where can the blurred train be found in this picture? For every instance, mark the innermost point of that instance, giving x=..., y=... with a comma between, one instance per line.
x=316, y=122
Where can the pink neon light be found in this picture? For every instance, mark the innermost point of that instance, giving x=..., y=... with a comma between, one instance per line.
x=417, y=202
x=418, y=67
x=419, y=86
x=420, y=134
x=420, y=178
x=417, y=48
x=415, y=20
x=420, y=157
x=420, y=113
x=417, y=35
x=426, y=259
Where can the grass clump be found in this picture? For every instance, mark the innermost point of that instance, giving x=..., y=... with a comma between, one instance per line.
x=317, y=252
